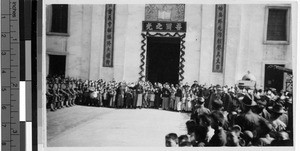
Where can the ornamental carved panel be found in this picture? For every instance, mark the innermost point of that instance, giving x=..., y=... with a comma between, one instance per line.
x=165, y=12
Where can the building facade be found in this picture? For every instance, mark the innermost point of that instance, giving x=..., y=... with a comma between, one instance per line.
x=213, y=44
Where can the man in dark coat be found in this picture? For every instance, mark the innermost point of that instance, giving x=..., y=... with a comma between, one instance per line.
x=178, y=95
x=215, y=96
x=165, y=97
x=157, y=98
x=219, y=138
x=226, y=98
x=249, y=120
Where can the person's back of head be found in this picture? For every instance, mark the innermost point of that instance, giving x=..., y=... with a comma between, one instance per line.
x=200, y=133
x=218, y=119
x=183, y=138
x=232, y=139
x=205, y=120
x=194, y=117
x=171, y=140
x=217, y=104
x=218, y=139
x=190, y=125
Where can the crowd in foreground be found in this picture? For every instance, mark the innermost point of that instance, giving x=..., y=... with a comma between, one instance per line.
x=237, y=119
x=220, y=115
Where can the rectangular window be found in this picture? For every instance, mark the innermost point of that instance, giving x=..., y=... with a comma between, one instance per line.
x=59, y=20
x=277, y=25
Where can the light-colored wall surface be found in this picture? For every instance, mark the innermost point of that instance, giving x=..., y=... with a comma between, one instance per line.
x=193, y=42
x=244, y=47
x=133, y=42
x=97, y=38
x=207, y=44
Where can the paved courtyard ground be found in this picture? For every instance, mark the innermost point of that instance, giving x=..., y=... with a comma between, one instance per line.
x=83, y=126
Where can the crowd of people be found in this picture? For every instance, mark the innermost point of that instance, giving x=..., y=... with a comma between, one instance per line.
x=220, y=115
x=64, y=92
x=238, y=118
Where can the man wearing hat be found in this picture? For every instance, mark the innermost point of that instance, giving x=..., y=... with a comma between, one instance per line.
x=202, y=110
x=276, y=111
x=218, y=123
x=249, y=120
x=215, y=95
x=261, y=107
x=227, y=99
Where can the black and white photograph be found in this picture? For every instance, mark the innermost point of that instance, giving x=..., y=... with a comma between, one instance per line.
x=169, y=74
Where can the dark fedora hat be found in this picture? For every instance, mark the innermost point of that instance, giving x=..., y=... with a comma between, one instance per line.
x=277, y=108
x=217, y=104
x=248, y=101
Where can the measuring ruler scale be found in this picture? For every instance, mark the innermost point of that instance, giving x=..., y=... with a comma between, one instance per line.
x=10, y=75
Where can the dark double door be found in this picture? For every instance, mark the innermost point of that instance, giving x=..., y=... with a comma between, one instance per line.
x=163, y=59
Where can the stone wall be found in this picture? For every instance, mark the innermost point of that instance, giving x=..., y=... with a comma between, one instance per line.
x=244, y=47
x=84, y=45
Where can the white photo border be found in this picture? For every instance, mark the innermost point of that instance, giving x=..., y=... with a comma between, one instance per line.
x=42, y=131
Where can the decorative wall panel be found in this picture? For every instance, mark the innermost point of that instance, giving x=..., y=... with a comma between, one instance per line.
x=164, y=12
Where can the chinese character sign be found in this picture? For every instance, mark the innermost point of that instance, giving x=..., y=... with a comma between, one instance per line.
x=219, y=38
x=162, y=26
x=109, y=35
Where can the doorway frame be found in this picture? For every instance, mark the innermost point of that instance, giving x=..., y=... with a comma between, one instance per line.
x=264, y=63
x=48, y=53
x=143, y=65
